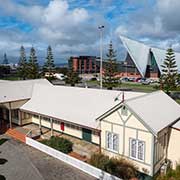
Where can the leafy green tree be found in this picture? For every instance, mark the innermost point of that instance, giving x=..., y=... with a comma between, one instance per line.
x=110, y=69
x=33, y=67
x=169, y=72
x=72, y=77
x=49, y=64
x=23, y=66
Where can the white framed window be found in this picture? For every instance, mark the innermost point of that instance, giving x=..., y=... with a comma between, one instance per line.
x=115, y=142
x=137, y=149
x=109, y=140
x=112, y=141
x=141, y=150
x=133, y=148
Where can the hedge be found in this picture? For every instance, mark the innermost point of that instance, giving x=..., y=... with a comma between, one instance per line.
x=59, y=143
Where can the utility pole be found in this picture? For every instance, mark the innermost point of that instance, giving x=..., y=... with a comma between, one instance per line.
x=101, y=53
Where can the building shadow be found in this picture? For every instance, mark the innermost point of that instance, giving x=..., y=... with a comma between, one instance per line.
x=2, y=177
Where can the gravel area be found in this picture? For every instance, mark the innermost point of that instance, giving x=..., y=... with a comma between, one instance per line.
x=27, y=163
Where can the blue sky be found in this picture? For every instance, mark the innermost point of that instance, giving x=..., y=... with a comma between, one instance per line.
x=70, y=26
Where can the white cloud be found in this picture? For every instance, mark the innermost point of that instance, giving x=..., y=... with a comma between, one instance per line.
x=56, y=24
x=158, y=25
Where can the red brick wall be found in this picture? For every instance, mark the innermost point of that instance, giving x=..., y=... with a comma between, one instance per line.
x=75, y=64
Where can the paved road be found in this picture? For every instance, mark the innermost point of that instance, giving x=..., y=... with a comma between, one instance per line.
x=26, y=163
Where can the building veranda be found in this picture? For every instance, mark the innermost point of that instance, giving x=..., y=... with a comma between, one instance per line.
x=140, y=127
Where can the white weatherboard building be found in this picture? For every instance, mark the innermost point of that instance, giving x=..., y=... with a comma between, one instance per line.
x=143, y=128
x=142, y=55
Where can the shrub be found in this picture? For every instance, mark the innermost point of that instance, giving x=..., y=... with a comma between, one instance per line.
x=121, y=168
x=171, y=174
x=116, y=166
x=99, y=160
x=3, y=140
x=59, y=143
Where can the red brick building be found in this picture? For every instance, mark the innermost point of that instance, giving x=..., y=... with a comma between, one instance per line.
x=84, y=64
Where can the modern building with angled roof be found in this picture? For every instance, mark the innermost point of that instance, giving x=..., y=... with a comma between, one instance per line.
x=136, y=126
x=147, y=60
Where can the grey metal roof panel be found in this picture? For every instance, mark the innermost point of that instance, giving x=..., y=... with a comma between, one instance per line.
x=156, y=109
x=18, y=90
x=77, y=105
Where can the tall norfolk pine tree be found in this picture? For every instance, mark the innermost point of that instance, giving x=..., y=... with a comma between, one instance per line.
x=169, y=71
x=5, y=60
x=110, y=69
x=49, y=64
x=72, y=77
x=33, y=67
x=22, y=68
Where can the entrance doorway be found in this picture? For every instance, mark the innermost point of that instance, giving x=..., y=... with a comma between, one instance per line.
x=87, y=135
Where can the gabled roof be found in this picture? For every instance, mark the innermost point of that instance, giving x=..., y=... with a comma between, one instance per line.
x=140, y=54
x=157, y=110
x=18, y=90
x=76, y=105
x=154, y=110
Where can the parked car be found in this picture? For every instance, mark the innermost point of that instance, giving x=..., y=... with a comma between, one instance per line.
x=124, y=79
x=131, y=79
x=142, y=80
x=137, y=79
x=146, y=82
x=59, y=76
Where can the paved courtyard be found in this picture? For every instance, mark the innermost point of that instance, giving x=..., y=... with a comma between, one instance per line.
x=26, y=163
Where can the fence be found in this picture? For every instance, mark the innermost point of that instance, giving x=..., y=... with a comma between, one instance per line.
x=93, y=171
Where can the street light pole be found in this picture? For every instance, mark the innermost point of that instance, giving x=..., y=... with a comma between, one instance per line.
x=101, y=53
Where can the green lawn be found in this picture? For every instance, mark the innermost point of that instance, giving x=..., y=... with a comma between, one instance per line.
x=130, y=85
x=137, y=87
x=11, y=78
x=178, y=101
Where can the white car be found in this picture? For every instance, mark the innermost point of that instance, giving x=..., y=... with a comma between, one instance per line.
x=59, y=76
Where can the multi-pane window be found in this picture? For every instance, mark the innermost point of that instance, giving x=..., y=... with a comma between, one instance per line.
x=46, y=119
x=133, y=148
x=35, y=116
x=137, y=149
x=15, y=113
x=141, y=150
x=56, y=121
x=109, y=140
x=115, y=142
x=112, y=141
